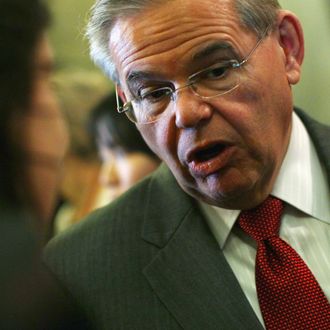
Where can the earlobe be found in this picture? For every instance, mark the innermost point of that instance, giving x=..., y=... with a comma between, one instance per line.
x=292, y=42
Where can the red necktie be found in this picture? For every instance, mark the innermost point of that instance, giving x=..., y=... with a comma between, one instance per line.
x=289, y=296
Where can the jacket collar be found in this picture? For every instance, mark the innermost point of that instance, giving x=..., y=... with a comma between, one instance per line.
x=165, y=207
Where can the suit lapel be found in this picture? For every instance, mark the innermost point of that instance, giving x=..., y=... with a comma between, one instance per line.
x=190, y=274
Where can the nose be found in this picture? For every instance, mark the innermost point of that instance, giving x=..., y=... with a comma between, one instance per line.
x=108, y=174
x=190, y=109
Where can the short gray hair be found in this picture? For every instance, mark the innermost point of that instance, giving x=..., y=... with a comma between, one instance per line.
x=256, y=15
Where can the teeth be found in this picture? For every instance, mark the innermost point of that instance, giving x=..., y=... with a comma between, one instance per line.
x=206, y=154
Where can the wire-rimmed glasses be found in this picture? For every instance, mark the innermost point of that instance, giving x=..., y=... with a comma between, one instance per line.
x=219, y=79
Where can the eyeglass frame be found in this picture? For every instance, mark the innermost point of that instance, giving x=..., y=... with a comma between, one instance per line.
x=128, y=106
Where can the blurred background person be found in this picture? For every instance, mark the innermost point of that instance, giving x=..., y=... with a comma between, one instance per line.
x=33, y=132
x=33, y=142
x=125, y=156
x=95, y=128
x=78, y=91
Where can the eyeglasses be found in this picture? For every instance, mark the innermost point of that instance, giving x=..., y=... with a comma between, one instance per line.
x=216, y=80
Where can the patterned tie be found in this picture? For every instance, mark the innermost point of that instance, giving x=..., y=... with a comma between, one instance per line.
x=289, y=295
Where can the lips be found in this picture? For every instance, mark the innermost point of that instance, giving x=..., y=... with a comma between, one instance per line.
x=208, y=153
x=208, y=159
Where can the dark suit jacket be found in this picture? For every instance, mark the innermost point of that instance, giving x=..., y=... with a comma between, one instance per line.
x=149, y=260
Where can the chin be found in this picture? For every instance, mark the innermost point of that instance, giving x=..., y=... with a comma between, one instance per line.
x=229, y=192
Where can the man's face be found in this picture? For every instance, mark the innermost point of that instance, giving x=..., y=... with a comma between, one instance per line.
x=225, y=150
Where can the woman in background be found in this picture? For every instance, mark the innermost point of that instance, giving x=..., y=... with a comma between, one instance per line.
x=78, y=91
x=125, y=156
x=33, y=141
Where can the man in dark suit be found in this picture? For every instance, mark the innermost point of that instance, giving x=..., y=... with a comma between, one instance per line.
x=208, y=84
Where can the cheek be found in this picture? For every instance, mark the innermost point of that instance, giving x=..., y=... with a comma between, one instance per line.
x=43, y=187
x=48, y=130
x=124, y=174
x=136, y=168
x=46, y=137
x=43, y=96
x=161, y=138
x=262, y=105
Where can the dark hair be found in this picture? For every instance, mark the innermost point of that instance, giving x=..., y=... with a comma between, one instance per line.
x=120, y=132
x=22, y=23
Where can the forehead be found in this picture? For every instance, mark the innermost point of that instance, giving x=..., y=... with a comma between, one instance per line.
x=170, y=31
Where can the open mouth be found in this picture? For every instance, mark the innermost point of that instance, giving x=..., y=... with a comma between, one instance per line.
x=209, y=159
x=208, y=153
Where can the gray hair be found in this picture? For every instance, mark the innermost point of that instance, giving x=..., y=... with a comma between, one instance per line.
x=256, y=15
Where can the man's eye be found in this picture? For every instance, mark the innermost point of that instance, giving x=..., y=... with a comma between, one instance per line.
x=154, y=95
x=217, y=71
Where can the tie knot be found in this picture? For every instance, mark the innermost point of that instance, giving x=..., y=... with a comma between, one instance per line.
x=263, y=221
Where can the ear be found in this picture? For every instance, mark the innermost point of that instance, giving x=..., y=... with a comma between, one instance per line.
x=291, y=40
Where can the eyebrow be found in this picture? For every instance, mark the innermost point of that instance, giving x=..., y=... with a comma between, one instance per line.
x=139, y=75
x=212, y=48
x=202, y=53
x=136, y=77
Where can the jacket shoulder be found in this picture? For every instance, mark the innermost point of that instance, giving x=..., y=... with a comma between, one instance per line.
x=104, y=224
x=101, y=259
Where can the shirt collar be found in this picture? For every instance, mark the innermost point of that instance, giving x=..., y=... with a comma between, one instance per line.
x=301, y=183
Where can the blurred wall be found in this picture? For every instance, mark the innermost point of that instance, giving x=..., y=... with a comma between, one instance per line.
x=312, y=93
x=67, y=33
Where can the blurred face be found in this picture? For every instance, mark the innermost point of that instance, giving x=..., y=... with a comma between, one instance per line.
x=120, y=170
x=44, y=136
x=225, y=150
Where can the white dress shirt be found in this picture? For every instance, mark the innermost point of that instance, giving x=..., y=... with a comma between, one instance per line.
x=302, y=184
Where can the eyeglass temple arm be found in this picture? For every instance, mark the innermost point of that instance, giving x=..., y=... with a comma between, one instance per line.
x=255, y=47
x=124, y=107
